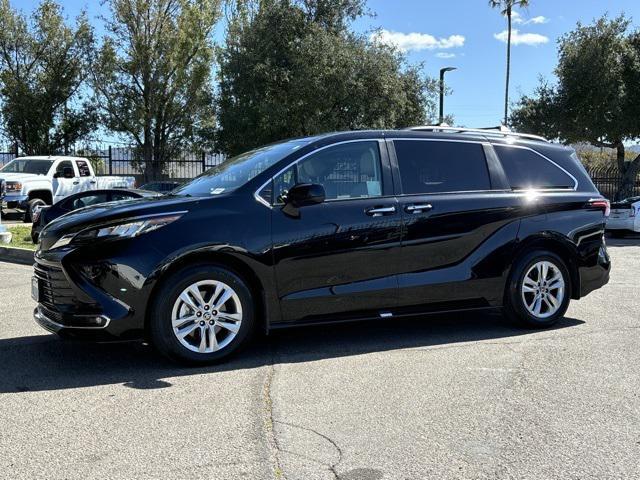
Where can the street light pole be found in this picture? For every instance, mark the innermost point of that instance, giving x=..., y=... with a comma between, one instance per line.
x=442, y=72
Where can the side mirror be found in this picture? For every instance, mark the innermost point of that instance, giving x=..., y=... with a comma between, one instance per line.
x=67, y=172
x=302, y=195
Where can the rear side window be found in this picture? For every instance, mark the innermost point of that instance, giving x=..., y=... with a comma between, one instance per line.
x=436, y=166
x=525, y=169
x=83, y=168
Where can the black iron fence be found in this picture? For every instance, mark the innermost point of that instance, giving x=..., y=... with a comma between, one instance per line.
x=609, y=180
x=124, y=160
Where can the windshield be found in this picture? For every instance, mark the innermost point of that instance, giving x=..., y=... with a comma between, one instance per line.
x=237, y=171
x=25, y=165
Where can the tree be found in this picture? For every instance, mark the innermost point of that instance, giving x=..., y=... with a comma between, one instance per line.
x=597, y=98
x=43, y=63
x=152, y=75
x=293, y=68
x=506, y=9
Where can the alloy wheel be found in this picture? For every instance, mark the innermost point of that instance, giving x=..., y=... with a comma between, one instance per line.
x=206, y=316
x=543, y=289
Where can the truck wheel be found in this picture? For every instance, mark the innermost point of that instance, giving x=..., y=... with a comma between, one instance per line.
x=31, y=205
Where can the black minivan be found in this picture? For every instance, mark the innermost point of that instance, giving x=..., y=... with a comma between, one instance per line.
x=337, y=227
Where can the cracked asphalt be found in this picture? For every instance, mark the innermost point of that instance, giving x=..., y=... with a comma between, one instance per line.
x=448, y=397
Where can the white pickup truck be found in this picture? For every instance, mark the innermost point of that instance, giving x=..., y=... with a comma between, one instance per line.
x=32, y=182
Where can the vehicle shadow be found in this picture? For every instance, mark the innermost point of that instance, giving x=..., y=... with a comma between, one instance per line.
x=630, y=240
x=44, y=362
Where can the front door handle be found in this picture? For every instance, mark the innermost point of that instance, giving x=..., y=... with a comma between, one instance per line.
x=380, y=211
x=76, y=182
x=418, y=208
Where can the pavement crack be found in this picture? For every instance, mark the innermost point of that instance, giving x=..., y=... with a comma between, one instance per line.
x=333, y=466
x=272, y=439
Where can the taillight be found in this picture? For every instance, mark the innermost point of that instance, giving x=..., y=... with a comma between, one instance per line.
x=602, y=203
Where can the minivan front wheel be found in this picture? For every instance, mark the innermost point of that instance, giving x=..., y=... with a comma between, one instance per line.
x=201, y=314
x=539, y=290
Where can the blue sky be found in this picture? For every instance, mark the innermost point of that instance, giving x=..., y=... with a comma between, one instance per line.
x=462, y=33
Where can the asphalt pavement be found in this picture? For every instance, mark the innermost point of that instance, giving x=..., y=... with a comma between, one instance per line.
x=448, y=397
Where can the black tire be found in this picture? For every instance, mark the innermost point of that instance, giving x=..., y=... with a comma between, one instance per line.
x=31, y=204
x=514, y=306
x=161, y=331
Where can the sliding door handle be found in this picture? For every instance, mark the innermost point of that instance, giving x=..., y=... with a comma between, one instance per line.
x=380, y=211
x=418, y=208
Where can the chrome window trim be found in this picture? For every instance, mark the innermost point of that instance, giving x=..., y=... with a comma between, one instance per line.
x=522, y=147
x=261, y=200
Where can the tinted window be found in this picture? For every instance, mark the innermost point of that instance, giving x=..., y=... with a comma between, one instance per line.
x=237, y=171
x=349, y=170
x=38, y=167
x=62, y=165
x=115, y=197
x=83, y=168
x=435, y=166
x=526, y=169
x=88, y=200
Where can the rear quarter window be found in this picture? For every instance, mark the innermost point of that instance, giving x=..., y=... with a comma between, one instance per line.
x=526, y=169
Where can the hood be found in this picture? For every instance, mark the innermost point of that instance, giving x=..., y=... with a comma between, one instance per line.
x=111, y=212
x=20, y=177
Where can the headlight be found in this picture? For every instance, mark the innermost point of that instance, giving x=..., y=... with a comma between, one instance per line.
x=13, y=187
x=129, y=229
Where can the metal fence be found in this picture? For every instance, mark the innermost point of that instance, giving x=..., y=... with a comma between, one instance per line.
x=124, y=160
x=609, y=180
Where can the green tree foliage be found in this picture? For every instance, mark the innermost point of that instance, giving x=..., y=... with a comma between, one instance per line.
x=152, y=75
x=43, y=63
x=597, y=95
x=293, y=68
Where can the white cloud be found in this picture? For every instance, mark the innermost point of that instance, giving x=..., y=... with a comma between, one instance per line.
x=417, y=41
x=445, y=55
x=518, y=38
x=518, y=20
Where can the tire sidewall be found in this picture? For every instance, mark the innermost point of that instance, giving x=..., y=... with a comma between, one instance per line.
x=515, y=301
x=28, y=216
x=160, y=325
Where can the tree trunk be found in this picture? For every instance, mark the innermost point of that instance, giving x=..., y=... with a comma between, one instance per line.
x=629, y=172
x=506, y=89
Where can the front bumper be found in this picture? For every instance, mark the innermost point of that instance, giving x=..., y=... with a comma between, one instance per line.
x=15, y=201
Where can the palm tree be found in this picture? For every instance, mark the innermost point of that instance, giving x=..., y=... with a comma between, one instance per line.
x=506, y=9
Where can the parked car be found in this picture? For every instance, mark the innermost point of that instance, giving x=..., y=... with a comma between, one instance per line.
x=163, y=187
x=42, y=216
x=338, y=227
x=625, y=217
x=33, y=182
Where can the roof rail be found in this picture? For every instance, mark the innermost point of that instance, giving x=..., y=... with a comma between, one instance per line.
x=500, y=131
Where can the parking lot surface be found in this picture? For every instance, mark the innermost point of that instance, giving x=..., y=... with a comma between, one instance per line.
x=459, y=396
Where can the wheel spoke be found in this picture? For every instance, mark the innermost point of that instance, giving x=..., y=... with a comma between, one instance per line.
x=182, y=333
x=528, y=289
x=215, y=294
x=197, y=296
x=228, y=325
x=184, y=296
x=554, y=301
x=545, y=271
x=537, y=305
x=227, y=293
x=213, y=341
x=559, y=283
x=179, y=322
x=530, y=282
x=203, y=340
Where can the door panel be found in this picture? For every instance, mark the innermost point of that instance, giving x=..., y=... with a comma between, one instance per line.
x=338, y=259
x=63, y=187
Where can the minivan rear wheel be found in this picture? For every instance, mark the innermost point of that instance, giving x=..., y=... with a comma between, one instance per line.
x=201, y=314
x=539, y=290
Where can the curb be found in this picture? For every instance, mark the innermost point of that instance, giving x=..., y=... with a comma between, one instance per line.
x=16, y=255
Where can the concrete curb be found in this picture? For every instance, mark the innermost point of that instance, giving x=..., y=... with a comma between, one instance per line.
x=16, y=255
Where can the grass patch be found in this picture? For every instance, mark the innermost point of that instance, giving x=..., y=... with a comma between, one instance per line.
x=21, y=237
